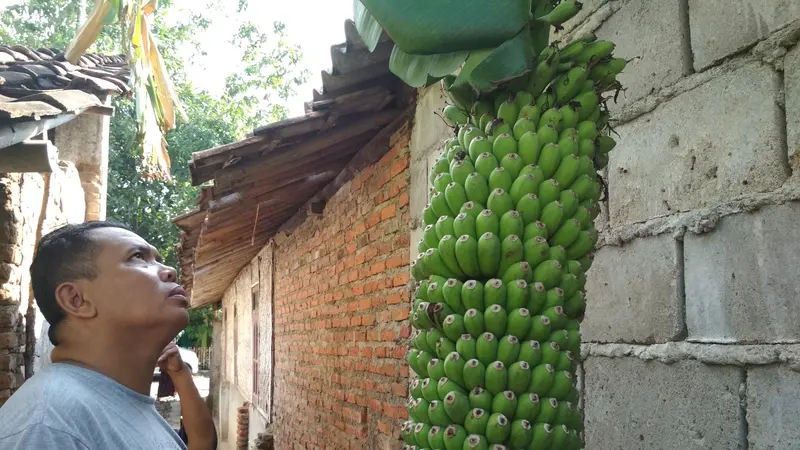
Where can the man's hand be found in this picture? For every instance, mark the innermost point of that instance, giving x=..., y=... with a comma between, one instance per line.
x=170, y=360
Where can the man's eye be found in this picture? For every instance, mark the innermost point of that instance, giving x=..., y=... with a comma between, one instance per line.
x=139, y=255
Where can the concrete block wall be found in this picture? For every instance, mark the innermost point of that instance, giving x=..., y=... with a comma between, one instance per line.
x=691, y=338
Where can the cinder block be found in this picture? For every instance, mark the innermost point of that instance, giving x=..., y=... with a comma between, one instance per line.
x=429, y=130
x=700, y=149
x=721, y=29
x=772, y=408
x=634, y=404
x=649, y=31
x=791, y=67
x=741, y=279
x=633, y=293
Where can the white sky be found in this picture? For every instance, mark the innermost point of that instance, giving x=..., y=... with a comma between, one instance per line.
x=313, y=24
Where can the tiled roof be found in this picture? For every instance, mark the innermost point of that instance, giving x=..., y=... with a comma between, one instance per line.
x=40, y=83
x=267, y=182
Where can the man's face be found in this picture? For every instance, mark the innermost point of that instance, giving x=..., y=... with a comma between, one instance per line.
x=133, y=290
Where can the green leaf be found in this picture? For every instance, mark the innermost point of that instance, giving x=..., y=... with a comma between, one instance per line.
x=368, y=28
x=508, y=61
x=424, y=70
x=113, y=13
x=425, y=27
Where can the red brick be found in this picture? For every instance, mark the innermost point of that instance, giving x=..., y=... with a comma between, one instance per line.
x=403, y=199
x=383, y=316
x=8, y=340
x=384, y=428
x=396, y=261
x=377, y=268
x=394, y=298
x=367, y=320
x=366, y=352
x=375, y=405
x=405, y=331
x=400, y=314
x=399, y=166
x=364, y=303
x=400, y=390
x=388, y=212
x=388, y=335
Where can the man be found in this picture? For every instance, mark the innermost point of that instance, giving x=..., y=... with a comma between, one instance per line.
x=114, y=309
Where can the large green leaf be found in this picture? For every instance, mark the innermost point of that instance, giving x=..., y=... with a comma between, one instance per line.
x=368, y=28
x=424, y=70
x=508, y=61
x=426, y=27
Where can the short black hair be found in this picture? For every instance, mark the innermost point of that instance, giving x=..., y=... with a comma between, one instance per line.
x=65, y=254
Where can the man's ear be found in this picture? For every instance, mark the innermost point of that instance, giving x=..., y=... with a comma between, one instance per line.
x=72, y=301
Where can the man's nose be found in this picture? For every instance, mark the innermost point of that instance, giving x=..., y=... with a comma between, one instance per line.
x=169, y=275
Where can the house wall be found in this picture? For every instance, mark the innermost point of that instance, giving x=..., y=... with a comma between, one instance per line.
x=340, y=301
x=20, y=209
x=691, y=336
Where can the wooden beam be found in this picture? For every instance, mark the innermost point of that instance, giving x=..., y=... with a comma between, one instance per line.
x=29, y=156
x=369, y=154
x=308, y=147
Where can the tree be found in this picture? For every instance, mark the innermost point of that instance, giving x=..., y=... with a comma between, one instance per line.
x=250, y=99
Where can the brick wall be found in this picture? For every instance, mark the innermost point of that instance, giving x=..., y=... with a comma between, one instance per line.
x=341, y=305
x=691, y=338
x=20, y=209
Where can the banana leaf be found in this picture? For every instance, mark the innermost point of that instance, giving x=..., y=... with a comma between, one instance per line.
x=366, y=25
x=424, y=70
x=425, y=27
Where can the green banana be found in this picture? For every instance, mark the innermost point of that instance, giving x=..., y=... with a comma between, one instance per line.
x=460, y=170
x=503, y=145
x=570, y=284
x=513, y=165
x=418, y=410
x=485, y=164
x=548, y=410
x=421, y=431
x=480, y=398
x=508, y=110
x=496, y=377
x=443, y=227
x=555, y=297
x=549, y=159
x=530, y=352
x=465, y=346
x=516, y=295
x=437, y=415
x=428, y=216
x=542, y=377
x=529, y=110
x=439, y=205
x=535, y=229
x=453, y=327
x=542, y=74
x=522, y=186
x=535, y=251
x=407, y=433
x=522, y=126
x=441, y=182
x=605, y=144
x=430, y=236
x=457, y=407
x=495, y=293
x=447, y=250
x=476, y=189
x=434, y=262
x=511, y=224
x=475, y=374
x=489, y=254
x=595, y=51
x=453, y=116
x=476, y=441
x=446, y=386
x=478, y=146
x=558, y=318
x=570, y=84
x=498, y=429
x=436, y=436
x=471, y=209
x=521, y=434
x=567, y=171
x=444, y=346
x=575, y=305
x=552, y=117
x=585, y=242
x=529, y=147
x=500, y=179
x=542, y=436
x=569, y=145
x=508, y=350
x=496, y=320
x=436, y=369
x=454, y=366
x=572, y=50
x=551, y=217
x=472, y=295
x=528, y=407
x=518, y=271
x=455, y=195
x=569, y=203
x=560, y=437
x=474, y=323
x=467, y=255
x=567, y=234
x=569, y=116
x=519, y=323
x=562, y=13
x=487, y=222
x=464, y=224
x=496, y=128
x=486, y=348
x=505, y=403
x=511, y=252
x=548, y=134
x=470, y=134
x=519, y=375
x=549, y=192
x=540, y=329
x=500, y=202
x=430, y=391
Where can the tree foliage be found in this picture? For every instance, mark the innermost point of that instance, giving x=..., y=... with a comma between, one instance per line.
x=251, y=98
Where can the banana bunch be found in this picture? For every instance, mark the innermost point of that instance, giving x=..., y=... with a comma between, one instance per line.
x=501, y=271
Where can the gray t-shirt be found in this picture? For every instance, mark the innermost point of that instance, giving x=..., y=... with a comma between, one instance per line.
x=67, y=407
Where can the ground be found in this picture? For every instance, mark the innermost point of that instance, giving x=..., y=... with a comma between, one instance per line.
x=170, y=408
